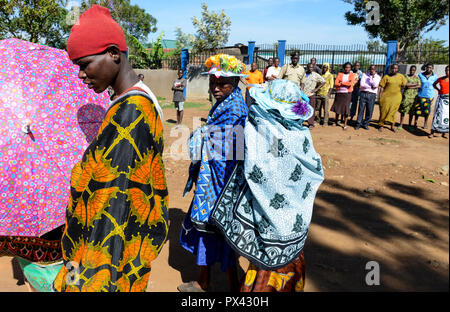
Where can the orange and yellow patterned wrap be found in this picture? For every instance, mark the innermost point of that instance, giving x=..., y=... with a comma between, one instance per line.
x=116, y=220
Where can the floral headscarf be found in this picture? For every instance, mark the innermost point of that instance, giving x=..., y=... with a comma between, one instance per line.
x=224, y=65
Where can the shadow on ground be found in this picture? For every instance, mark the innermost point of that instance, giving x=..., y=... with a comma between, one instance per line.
x=184, y=262
x=333, y=270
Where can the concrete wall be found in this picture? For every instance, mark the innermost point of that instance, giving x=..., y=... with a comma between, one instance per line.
x=439, y=70
x=159, y=81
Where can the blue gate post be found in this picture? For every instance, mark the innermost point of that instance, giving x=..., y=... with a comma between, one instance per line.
x=281, y=51
x=391, y=54
x=184, y=64
x=251, y=51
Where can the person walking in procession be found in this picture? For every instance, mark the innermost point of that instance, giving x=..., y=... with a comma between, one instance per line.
x=178, y=87
x=368, y=93
x=214, y=157
x=117, y=216
x=441, y=115
x=269, y=197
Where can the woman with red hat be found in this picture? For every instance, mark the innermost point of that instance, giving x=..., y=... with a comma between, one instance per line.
x=116, y=220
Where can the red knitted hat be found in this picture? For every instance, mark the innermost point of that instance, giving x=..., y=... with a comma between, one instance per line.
x=93, y=33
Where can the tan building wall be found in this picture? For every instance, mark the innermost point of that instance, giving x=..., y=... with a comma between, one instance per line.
x=160, y=82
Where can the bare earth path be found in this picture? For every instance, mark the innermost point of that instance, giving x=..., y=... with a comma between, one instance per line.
x=401, y=221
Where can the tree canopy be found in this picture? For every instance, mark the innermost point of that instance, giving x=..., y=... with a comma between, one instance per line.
x=133, y=19
x=38, y=21
x=212, y=30
x=49, y=21
x=401, y=20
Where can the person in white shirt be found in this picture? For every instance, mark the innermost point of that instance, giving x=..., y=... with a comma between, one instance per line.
x=368, y=89
x=273, y=71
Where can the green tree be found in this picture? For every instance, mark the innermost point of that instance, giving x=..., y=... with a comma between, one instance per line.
x=401, y=20
x=426, y=51
x=38, y=21
x=146, y=58
x=212, y=29
x=375, y=46
x=133, y=19
x=184, y=40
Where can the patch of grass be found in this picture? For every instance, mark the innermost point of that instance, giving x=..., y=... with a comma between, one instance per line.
x=383, y=141
x=202, y=106
x=160, y=98
x=187, y=105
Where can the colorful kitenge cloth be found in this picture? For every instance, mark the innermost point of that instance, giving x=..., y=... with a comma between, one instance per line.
x=116, y=220
x=266, y=207
x=440, y=119
x=40, y=276
x=213, y=154
x=409, y=96
x=290, y=278
x=423, y=106
x=214, y=149
x=45, y=249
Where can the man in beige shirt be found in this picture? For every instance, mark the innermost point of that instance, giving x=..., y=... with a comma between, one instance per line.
x=294, y=71
x=313, y=83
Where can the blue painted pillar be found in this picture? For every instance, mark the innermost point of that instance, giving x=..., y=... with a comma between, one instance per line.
x=184, y=64
x=251, y=51
x=391, y=54
x=281, y=51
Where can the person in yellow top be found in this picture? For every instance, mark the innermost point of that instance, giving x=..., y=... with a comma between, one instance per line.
x=254, y=77
x=391, y=86
x=323, y=95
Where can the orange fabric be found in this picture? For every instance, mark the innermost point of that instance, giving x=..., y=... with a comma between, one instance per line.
x=350, y=83
x=444, y=86
x=254, y=78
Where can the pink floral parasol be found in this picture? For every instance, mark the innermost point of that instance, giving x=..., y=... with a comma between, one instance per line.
x=43, y=107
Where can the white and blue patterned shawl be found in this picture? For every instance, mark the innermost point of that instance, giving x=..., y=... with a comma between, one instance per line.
x=265, y=209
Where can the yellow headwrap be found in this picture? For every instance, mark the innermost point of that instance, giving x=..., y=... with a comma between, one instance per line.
x=328, y=66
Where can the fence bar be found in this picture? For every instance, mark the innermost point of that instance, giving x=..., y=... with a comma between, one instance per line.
x=184, y=64
x=391, y=54
x=281, y=51
x=251, y=51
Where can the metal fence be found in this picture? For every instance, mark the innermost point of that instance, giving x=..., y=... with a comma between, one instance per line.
x=171, y=62
x=199, y=58
x=422, y=54
x=336, y=55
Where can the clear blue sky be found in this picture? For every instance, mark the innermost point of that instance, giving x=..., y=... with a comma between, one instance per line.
x=266, y=21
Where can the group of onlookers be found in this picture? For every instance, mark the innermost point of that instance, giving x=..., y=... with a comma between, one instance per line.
x=356, y=93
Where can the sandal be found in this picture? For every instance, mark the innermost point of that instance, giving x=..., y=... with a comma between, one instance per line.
x=189, y=287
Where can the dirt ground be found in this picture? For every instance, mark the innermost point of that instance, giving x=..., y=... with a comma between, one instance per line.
x=385, y=198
